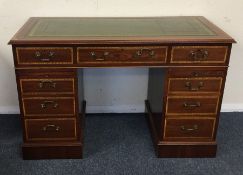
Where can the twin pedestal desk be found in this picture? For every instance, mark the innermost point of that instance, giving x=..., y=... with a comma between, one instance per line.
x=187, y=59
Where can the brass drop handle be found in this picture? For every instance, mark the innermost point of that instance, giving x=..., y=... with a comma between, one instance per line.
x=198, y=55
x=186, y=129
x=145, y=51
x=45, y=104
x=47, y=83
x=102, y=58
x=47, y=58
x=191, y=105
x=51, y=127
x=191, y=88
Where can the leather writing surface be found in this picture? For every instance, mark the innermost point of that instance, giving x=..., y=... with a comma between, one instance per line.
x=119, y=27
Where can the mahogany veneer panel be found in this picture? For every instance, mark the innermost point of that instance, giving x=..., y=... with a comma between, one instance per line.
x=44, y=55
x=197, y=85
x=51, y=129
x=199, y=54
x=194, y=105
x=189, y=129
x=49, y=106
x=122, y=54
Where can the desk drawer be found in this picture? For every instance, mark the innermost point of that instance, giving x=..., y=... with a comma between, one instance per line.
x=189, y=129
x=50, y=129
x=49, y=106
x=44, y=55
x=47, y=86
x=196, y=85
x=122, y=54
x=196, y=72
x=191, y=105
x=199, y=54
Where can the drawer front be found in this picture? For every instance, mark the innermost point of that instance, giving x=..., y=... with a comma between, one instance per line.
x=199, y=54
x=47, y=86
x=196, y=85
x=50, y=129
x=48, y=106
x=44, y=55
x=122, y=54
x=189, y=129
x=191, y=105
x=196, y=72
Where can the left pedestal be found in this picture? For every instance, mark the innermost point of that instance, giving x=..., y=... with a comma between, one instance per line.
x=52, y=126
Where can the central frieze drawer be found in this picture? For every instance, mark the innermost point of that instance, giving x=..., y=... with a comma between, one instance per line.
x=116, y=54
x=47, y=86
x=199, y=54
x=50, y=129
x=49, y=106
x=198, y=85
x=190, y=105
x=44, y=55
x=189, y=129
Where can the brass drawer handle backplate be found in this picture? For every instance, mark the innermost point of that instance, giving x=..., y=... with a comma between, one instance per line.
x=186, y=129
x=45, y=104
x=191, y=88
x=51, y=127
x=101, y=58
x=145, y=52
x=187, y=105
x=198, y=55
x=47, y=83
x=47, y=58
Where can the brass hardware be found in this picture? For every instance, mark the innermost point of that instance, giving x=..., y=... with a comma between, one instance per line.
x=102, y=58
x=51, y=127
x=142, y=52
x=49, y=56
x=190, y=88
x=196, y=74
x=47, y=83
x=45, y=104
x=198, y=55
x=37, y=54
x=185, y=129
x=106, y=53
x=191, y=105
x=93, y=54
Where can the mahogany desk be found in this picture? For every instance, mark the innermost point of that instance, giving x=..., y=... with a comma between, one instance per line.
x=187, y=59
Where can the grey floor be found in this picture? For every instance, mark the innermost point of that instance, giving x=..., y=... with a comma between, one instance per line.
x=121, y=144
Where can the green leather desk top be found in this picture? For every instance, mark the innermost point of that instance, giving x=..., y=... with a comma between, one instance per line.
x=76, y=30
x=119, y=27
